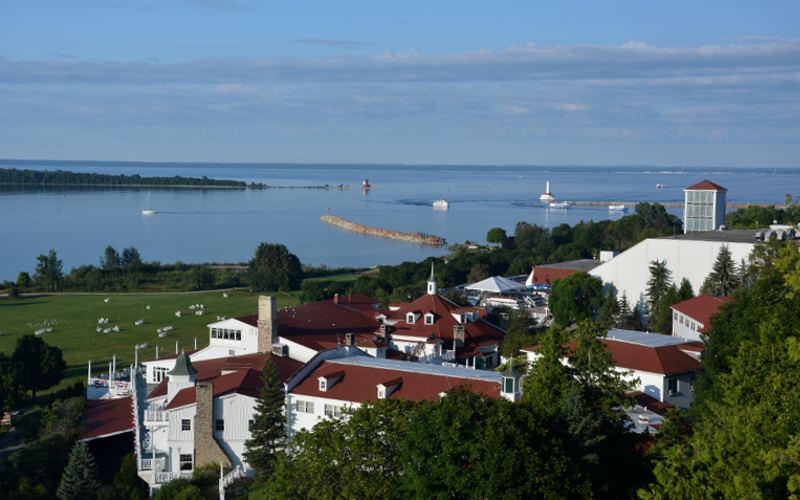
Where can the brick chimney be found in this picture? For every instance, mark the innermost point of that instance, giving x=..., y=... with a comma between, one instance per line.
x=267, y=322
x=206, y=448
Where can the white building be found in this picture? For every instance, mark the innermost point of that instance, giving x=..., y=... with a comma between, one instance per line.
x=689, y=256
x=704, y=207
x=691, y=318
x=660, y=366
x=330, y=383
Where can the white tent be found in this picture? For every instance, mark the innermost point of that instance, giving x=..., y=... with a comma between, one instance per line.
x=495, y=284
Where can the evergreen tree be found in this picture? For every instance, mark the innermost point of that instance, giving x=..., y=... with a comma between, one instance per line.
x=662, y=322
x=518, y=334
x=49, y=270
x=79, y=479
x=724, y=277
x=110, y=260
x=548, y=380
x=685, y=292
x=609, y=311
x=623, y=312
x=658, y=284
x=268, y=432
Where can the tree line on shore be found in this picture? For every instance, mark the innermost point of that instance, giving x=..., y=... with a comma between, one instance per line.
x=24, y=177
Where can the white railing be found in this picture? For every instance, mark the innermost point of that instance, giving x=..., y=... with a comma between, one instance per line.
x=165, y=477
x=235, y=473
x=147, y=463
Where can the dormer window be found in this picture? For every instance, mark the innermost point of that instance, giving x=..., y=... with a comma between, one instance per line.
x=328, y=381
x=429, y=319
x=387, y=388
x=411, y=318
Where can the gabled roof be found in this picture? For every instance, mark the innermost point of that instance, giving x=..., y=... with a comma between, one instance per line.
x=106, y=417
x=213, y=368
x=247, y=382
x=702, y=308
x=706, y=185
x=359, y=383
x=477, y=333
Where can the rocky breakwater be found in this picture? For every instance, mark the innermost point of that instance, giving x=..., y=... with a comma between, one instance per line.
x=418, y=238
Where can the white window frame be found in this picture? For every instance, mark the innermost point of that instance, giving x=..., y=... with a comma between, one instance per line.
x=333, y=410
x=411, y=318
x=184, y=459
x=429, y=319
x=186, y=424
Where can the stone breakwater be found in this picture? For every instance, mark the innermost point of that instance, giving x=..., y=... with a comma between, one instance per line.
x=418, y=238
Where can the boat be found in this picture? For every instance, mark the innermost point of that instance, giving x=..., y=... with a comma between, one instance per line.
x=441, y=204
x=660, y=186
x=558, y=204
x=147, y=209
x=547, y=196
x=617, y=208
x=365, y=184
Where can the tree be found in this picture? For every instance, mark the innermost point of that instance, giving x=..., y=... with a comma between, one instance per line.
x=518, y=334
x=662, y=319
x=724, y=277
x=23, y=280
x=79, y=479
x=9, y=383
x=110, y=260
x=658, y=284
x=610, y=309
x=548, y=380
x=131, y=260
x=268, y=432
x=496, y=235
x=575, y=298
x=685, y=292
x=127, y=484
x=202, y=277
x=49, y=270
x=40, y=365
x=477, y=273
x=274, y=268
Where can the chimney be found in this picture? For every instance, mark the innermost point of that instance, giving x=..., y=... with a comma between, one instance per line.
x=383, y=330
x=458, y=334
x=267, y=322
x=206, y=448
x=349, y=339
x=336, y=298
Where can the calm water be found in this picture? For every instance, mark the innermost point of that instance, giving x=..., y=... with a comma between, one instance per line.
x=226, y=226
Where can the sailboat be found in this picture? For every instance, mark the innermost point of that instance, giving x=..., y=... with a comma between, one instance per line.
x=147, y=209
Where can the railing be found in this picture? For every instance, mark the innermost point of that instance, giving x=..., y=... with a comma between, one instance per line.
x=232, y=476
x=165, y=477
x=147, y=463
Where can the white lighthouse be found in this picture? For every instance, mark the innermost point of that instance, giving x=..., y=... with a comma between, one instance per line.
x=547, y=196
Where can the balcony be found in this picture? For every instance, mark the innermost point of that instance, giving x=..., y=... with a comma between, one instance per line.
x=147, y=463
x=155, y=416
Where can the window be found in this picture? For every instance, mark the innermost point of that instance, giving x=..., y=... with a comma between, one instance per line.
x=333, y=411
x=410, y=318
x=159, y=373
x=219, y=424
x=672, y=385
x=238, y=335
x=508, y=385
x=323, y=384
x=381, y=392
x=304, y=406
x=186, y=461
x=429, y=319
x=186, y=424
x=250, y=424
x=674, y=316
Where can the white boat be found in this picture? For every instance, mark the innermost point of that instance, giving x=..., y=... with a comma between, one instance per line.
x=441, y=204
x=660, y=186
x=617, y=208
x=559, y=204
x=147, y=209
x=547, y=196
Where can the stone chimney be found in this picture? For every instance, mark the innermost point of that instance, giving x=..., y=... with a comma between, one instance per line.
x=267, y=322
x=458, y=334
x=206, y=448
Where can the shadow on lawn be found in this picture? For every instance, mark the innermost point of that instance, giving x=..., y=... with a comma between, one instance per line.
x=17, y=303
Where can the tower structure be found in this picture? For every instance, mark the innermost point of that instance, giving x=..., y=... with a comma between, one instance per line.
x=704, y=207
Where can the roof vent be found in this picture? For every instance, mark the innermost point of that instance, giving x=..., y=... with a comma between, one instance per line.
x=280, y=350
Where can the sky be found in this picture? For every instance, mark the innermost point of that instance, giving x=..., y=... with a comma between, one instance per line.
x=613, y=82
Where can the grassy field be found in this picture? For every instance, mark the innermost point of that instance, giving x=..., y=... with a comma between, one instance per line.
x=75, y=318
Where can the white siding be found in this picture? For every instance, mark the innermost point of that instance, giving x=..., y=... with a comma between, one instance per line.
x=690, y=259
x=302, y=420
x=682, y=326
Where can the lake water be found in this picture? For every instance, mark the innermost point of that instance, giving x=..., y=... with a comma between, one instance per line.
x=195, y=225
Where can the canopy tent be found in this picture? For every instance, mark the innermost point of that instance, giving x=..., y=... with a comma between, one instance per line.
x=495, y=284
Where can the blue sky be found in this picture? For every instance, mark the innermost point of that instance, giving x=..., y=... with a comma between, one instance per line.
x=562, y=82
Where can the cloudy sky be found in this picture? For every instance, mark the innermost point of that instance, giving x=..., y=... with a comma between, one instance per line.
x=547, y=82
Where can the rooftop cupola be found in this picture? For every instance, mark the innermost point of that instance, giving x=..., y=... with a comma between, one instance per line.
x=182, y=375
x=511, y=383
x=432, y=283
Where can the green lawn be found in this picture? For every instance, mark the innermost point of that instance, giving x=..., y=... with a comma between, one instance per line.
x=77, y=316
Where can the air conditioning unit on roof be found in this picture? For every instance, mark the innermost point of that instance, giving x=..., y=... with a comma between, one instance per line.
x=281, y=350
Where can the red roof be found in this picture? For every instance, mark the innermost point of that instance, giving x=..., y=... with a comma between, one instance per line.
x=212, y=369
x=106, y=417
x=707, y=185
x=360, y=383
x=477, y=333
x=651, y=403
x=247, y=382
x=322, y=325
x=701, y=308
x=666, y=360
x=548, y=275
